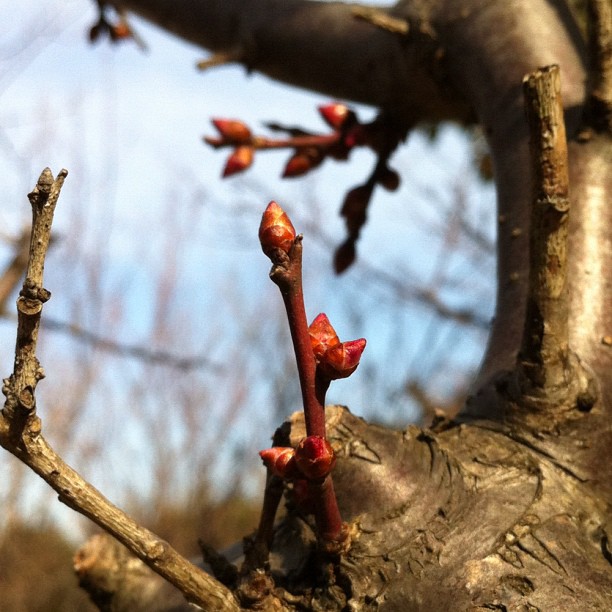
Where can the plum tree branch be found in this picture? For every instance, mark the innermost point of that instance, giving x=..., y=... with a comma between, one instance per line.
x=20, y=427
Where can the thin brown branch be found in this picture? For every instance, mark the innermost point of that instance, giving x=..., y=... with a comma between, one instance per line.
x=20, y=387
x=545, y=338
x=381, y=19
x=20, y=428
x=221, y=59
x=197, y=586
x=546, y=362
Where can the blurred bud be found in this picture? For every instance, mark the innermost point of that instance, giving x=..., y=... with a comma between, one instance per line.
x=341, y=361
x=298, y=165
x=345, y=255
x=240, y=159
x=355, y=206
x=280, y=461
x=120, y=31
x=356, y=136
x=322, y=335
x=276, y=230
x=388, y=178
x=232, y=130
x=336, y=115
x=97, y=30
x=303, y=161
x=315, y=457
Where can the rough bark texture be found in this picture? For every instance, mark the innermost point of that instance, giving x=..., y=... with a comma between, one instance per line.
x=508, y=508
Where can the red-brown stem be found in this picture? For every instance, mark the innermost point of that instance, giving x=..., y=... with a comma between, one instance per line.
x=257, y=555
x=331, y=529
x=295, y=142
x=321, y=386
x=287, y=274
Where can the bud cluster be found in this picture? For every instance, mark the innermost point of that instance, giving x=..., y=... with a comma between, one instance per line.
x=313, y=459
x=334, y=359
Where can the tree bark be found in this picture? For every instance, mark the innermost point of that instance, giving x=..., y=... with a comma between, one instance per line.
x=508, y=507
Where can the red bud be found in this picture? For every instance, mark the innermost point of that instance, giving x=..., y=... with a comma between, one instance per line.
x=120, y=31
x=232, y=130
x=240, y=159
x=336, y=115
x=322, y=335
x=276, y=230
x=280, y=461
x=341, y=361
x=298, y=165
x=315, y=457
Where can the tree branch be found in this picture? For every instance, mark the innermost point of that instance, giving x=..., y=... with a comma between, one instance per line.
x=20, y=427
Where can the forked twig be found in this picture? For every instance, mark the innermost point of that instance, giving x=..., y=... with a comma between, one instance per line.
x=20, y=428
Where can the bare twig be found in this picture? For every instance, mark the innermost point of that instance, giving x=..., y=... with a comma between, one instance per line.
x=20, y=427
x=381, y=19
x=548, y=367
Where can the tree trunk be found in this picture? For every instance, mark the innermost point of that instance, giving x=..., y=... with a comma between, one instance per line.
x=506, y=508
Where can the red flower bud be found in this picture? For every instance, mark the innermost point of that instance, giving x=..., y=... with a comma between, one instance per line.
x=336, y=115
x=232, y=130
x=303, y=161
x=240, y=159
x=280, y=461
x=315, y=457
x=322, y=335
x=341, y=361
x=276, y=230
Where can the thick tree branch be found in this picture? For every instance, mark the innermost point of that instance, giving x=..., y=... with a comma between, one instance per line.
x=284, y=39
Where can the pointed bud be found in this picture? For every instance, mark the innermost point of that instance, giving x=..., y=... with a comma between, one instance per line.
x=232, y=130
x=336, y=115
x=240, y=159
x=303, y=161
x=280, y=461
x=276, y=230
x=315, y=457
x=322, y=335
x=341, y=361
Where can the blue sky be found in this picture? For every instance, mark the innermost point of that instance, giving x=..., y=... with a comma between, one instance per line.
x=128, y=126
